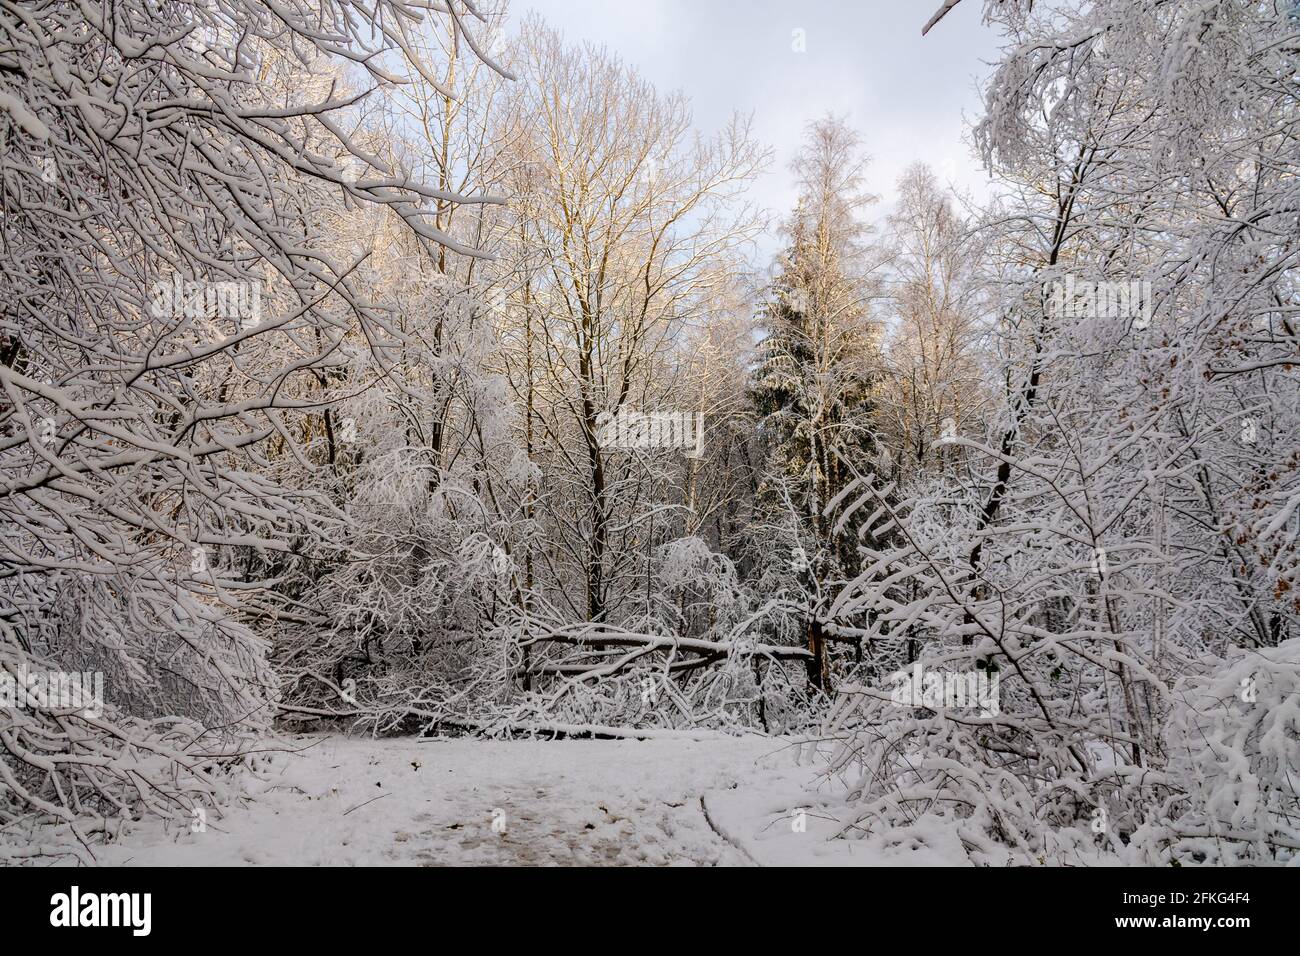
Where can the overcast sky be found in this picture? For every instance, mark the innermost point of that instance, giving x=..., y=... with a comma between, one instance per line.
x=907, y=95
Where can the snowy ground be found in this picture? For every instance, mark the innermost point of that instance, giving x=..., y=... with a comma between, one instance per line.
x=339, y=801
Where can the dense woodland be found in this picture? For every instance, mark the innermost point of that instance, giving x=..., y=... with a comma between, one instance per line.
x=313, y=316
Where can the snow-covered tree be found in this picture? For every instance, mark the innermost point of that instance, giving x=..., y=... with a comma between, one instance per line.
x=632, y=228
x=936, y=374
x=816, y=381
x=170, y=317
x=1126, y=538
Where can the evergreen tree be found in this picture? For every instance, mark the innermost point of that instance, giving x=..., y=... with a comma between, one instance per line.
x=815, y=382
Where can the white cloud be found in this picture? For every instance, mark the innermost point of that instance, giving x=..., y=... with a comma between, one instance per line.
x=905, y=94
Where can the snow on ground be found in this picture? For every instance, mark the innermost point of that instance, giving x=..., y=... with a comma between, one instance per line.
x=342, y=801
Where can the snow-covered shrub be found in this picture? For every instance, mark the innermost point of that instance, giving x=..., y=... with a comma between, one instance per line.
x=1233, y=745
x=406, y=603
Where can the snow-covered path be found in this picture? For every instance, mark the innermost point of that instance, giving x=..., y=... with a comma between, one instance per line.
x=402, y=802
x=337, y=801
